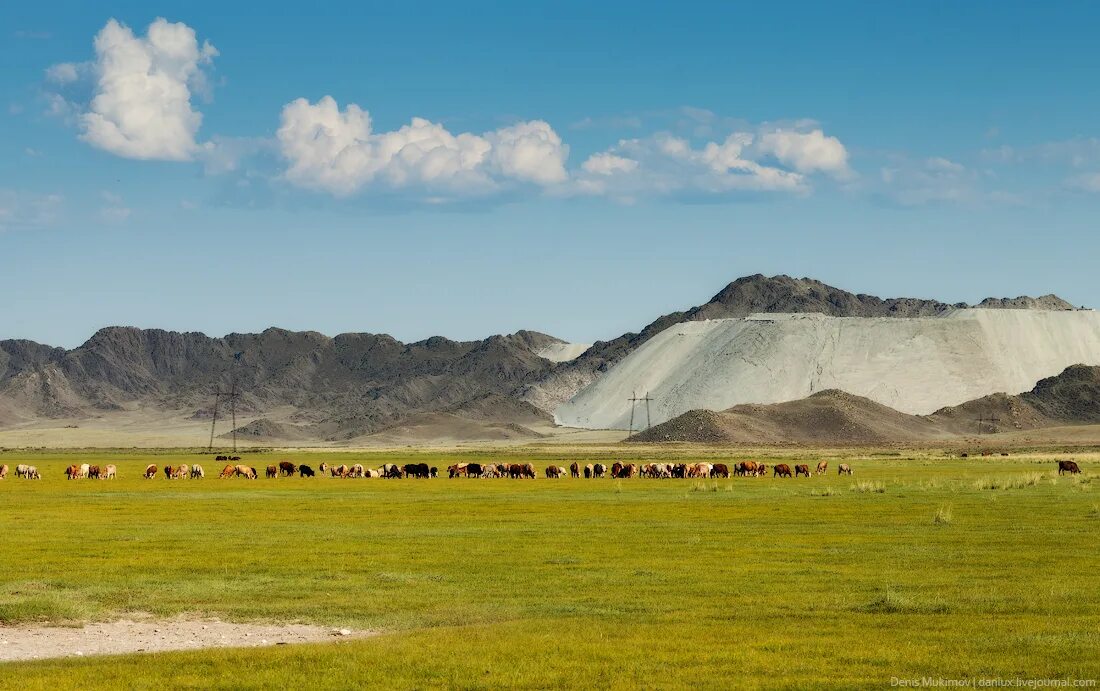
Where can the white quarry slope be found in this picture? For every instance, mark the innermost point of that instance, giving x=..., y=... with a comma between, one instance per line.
x=913, y=365
x=563, y=352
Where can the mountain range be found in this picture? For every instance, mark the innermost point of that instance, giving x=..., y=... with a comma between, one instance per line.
x=305, y=386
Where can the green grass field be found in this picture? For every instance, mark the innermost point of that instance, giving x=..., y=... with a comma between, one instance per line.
x=919, y=565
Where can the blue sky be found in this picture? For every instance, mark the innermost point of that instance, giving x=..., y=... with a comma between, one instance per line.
x=473, y=168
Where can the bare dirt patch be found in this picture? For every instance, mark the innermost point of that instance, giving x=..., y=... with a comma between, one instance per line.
x=146, y=635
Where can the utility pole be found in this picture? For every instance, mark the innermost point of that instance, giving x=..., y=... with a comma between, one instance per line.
x=992, y=420
x=213, y=421
x=634, y=400
x=232, y=395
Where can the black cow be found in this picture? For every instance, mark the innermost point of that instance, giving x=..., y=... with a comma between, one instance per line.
x=474, y=470
x=1070, y=467
x=305, y=471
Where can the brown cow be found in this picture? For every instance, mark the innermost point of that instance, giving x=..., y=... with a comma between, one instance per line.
x=720, y=470
x=458, y=470
x=93, y=472
x=272, y=471
x=1070, y=467
x=762, y=470
x=782, y=470
x=72, y=472
x=802, y=469
x=822, y=467
x=746, y=468
x=3, y=471
x=844, y=469
x=287, y=468
x=227, y=472
x=574, y=470
x=625, y=471
x=616, y=468
x=553, y=472
x=168, y=472
x=150, y=471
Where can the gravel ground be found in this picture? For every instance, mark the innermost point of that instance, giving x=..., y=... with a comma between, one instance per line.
x=140, y=635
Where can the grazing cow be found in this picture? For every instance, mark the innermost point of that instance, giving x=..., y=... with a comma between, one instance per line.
x=196, y=472
x=168, y=472
x=574, y=469
x=183, y=472
x=108, y=472
x=822, y=467
x=418, y=470
x=21, y=470
x=720, y=470
x=624, y=471
x=782, y=470
x=474, y=469
x=338, y=470
x=3, y=471
x=1070, y=467
x=356, y=471
x=150, y=471
x=488, y=470
x=287, y=468
x=599, y=470
x=844, y=469
x=802, y=469
x=433, y=472
x=746, y=468
x=221, y=458
x=588, y=471
x=244, y=471
x=389, y=470
x=254, y=474
x=761, y=470
x=32, y=473
x=552, y=472
x=227, y=472
x=458, y=470
x=272, y=471
x=372, y=473
x=305, y=471
x=72, y=472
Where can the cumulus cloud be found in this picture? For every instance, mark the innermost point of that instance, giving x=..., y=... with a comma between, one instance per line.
x=140, y=105
x=338, y=151
x=669, y=165
x=608, y=164
x=806, y=152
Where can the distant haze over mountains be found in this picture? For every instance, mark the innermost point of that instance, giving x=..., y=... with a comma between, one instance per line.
x=307, y=386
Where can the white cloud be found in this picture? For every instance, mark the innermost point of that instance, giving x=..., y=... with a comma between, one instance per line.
x=608, y=164
x=806, y=152
x=530, y=151
x=337, y=151
x=667, y=165
x=63, y=73
x=20, y=210
x=141, y=102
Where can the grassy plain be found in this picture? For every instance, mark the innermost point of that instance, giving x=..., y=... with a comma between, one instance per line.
x=918, y=565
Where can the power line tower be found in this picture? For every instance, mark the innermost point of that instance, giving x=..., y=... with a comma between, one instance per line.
x=992, y=420
x=634, y=400
x=232, y=395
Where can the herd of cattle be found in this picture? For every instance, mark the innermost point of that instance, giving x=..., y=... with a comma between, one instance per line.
x=479, y=470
